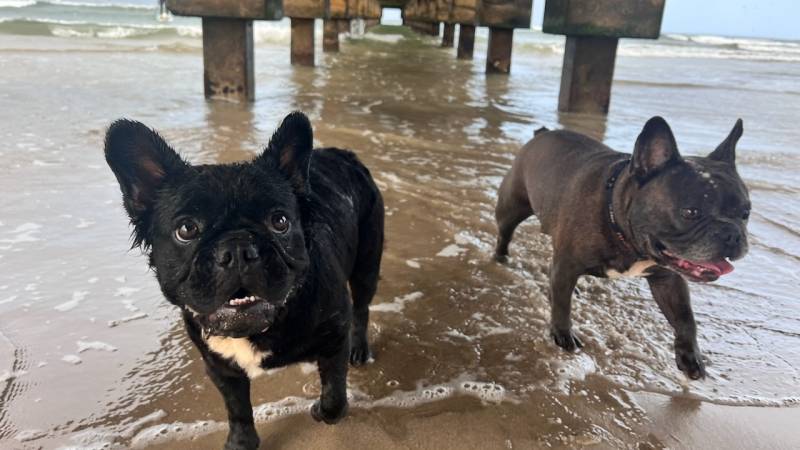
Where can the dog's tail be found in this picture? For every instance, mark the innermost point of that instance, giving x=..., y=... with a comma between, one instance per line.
x=540, y=131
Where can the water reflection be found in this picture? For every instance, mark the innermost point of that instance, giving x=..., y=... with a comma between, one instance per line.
x=231, y=132
x=593, y=125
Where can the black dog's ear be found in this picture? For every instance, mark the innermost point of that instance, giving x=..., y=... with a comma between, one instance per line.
x=655, y=149
x=289, y=150
x=141, y=160
x=726, y=151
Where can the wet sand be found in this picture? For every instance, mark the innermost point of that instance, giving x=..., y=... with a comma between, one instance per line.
x=458, y=424
x=91, y=356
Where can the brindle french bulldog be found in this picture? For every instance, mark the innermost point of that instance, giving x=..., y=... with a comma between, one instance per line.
x=655, y=214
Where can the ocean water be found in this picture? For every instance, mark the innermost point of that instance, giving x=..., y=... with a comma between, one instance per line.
x=91, y=356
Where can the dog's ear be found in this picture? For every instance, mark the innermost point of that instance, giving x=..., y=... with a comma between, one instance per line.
x=726, y=151
x=289, y=150
x=655, y=149
x=141, y=160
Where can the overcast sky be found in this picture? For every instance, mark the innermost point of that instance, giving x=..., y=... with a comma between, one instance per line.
x=756, y=18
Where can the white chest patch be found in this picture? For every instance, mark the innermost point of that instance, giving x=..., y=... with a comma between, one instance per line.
x=241, y=351
x=638, y=269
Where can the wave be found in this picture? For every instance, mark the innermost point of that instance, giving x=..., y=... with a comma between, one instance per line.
x=264, y=32
x=71, y=29
x=39, y=3
x=16, y=3
x=101, y=5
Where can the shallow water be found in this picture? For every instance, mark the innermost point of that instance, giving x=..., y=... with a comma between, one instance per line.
x=91, y=355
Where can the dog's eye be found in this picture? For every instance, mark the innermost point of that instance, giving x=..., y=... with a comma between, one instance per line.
x=690, y=213
x=187, y=231
x=279, y=223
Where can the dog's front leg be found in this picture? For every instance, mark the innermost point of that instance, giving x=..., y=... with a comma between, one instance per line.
x=563, y=277
x=332, y=404
x=671, y=293
x=235, y=390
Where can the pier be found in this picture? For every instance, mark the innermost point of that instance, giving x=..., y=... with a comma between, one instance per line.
x=592, y=30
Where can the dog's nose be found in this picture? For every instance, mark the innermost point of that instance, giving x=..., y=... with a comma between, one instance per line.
x=232, y=253
x=732, y=238
x=733, y=241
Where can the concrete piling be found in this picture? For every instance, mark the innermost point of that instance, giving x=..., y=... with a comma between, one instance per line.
x=448, y=34
x=302, y=42
x=466, y=41
x=330, y=35
x=498, y=56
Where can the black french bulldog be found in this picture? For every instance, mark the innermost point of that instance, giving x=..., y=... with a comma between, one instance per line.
x=654, y=214
x=258, y=256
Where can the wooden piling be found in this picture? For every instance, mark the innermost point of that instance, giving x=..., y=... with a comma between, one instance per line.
x=228, y=59
x=330, y=35
x=587, y=74
x=466, y=41
x=302, y=45
x=448, y=34
x=498, y=56
x=593, y=30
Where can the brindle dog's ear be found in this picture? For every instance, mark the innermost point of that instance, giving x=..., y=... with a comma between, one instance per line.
x=289, y=150
x=141, y=161
x=726, y=151
x=655, y=149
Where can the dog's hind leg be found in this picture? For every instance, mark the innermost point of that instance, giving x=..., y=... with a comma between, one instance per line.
x=364, y=280
x=512, y=208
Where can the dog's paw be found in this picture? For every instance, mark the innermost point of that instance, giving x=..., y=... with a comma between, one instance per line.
x=566, y=340
x=242, y=438
x=501, y=257
x=359, y=353
x=690, y=362
x=332, y=416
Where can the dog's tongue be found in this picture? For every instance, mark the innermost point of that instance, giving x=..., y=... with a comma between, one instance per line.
x=719, y=267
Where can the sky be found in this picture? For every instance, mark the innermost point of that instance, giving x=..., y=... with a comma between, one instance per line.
x=779, y=19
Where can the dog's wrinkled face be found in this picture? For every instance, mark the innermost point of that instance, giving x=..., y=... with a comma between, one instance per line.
x=689, y=214
x=226, y=241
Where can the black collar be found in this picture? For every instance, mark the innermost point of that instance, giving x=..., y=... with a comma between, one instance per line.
x=612, y=218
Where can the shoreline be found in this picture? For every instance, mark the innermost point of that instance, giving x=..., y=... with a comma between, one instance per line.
x=462, y=423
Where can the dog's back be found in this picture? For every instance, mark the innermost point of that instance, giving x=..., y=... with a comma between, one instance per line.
x=348, y=215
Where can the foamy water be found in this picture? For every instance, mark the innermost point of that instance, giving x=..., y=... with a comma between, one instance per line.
x=92, y=357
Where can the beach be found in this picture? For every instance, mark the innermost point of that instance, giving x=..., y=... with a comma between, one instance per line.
x=92, y=356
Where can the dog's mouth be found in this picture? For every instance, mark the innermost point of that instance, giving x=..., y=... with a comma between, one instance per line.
x=244, y=314
x=242, y=299
x=698, y=271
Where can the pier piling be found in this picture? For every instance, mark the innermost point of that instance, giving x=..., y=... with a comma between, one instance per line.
x=228, y=72
x=502, y=16
x=593, y=30
x=330, y=35
x=448, y=34
x=228, y=59
x=587, y=74
x=498, y=53
x=466, y=41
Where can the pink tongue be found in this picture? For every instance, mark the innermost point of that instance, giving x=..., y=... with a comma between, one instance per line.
x=721, y=267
